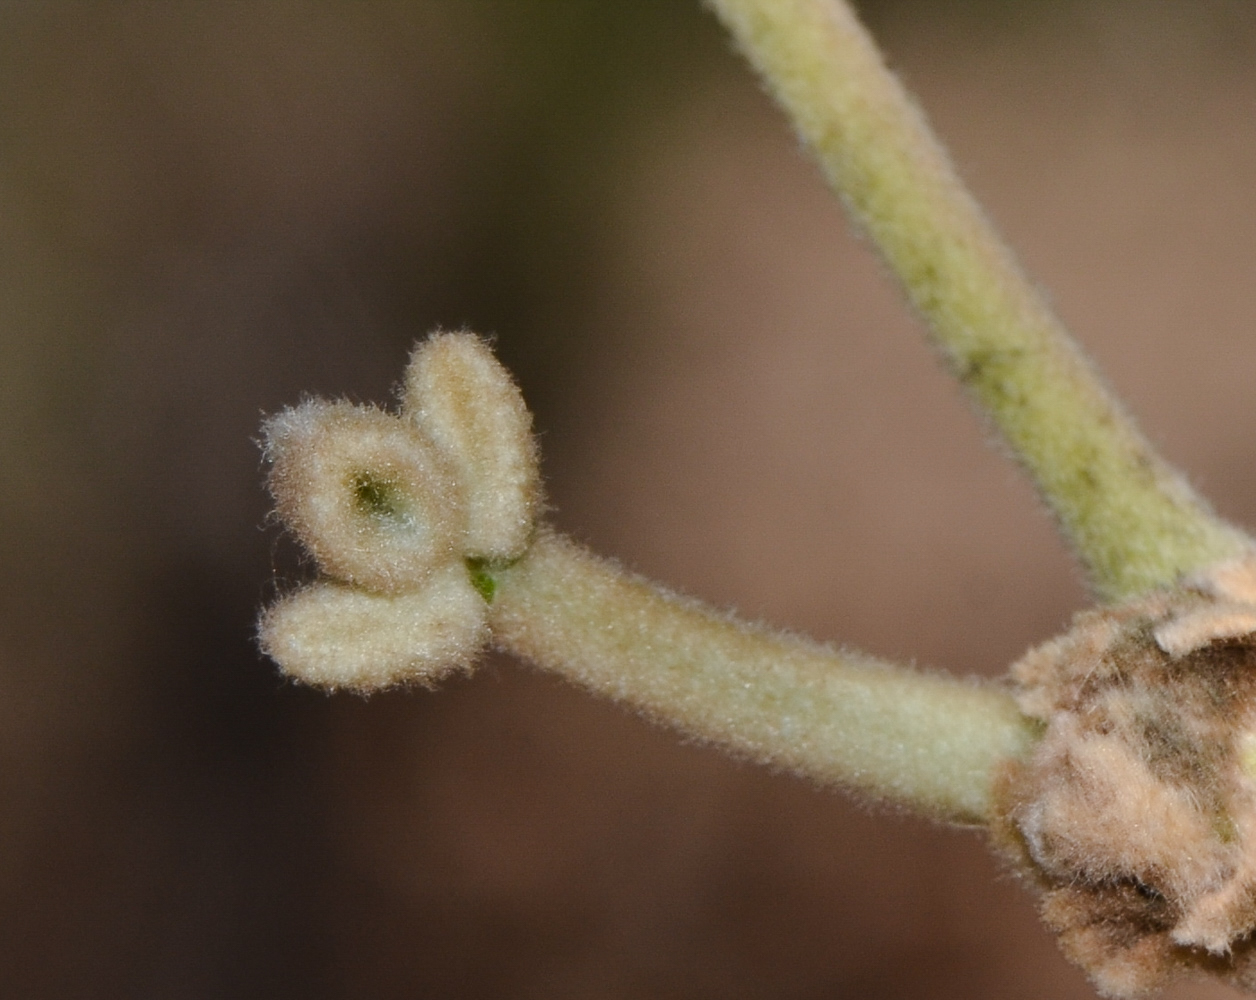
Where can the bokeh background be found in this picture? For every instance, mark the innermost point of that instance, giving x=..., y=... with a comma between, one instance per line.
x=207, y=210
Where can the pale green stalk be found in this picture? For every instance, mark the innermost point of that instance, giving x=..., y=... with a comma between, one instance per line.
x=935, y=743
x=424, y=523
x=1133, y=520
x=923, y=740
x=1135, y=812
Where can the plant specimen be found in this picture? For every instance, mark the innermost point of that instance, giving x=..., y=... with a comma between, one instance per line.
x=1117, y=770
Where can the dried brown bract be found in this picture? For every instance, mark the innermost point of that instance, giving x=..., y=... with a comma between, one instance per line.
x=1137, y=811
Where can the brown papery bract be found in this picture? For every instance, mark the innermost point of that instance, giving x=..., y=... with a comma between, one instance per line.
x=1136, y=813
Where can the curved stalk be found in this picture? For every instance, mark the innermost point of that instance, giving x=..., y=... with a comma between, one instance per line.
x=1133, y=520
x=922, y=740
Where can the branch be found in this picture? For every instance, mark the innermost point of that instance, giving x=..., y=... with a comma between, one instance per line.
x=923, y=740
x=1133, y=520
x=1127, y=789
x=424, y=523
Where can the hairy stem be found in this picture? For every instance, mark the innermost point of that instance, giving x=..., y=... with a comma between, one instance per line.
x=1132, y=519
x=924, y=740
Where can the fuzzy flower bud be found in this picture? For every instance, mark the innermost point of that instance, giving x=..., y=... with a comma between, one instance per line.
x=467, y=403
x=406, y=516
x=372, y=500
x=344, y=637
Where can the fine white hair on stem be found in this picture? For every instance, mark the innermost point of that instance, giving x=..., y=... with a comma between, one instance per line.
x=1120, y=776
x=1133, y=520
x=931, y=742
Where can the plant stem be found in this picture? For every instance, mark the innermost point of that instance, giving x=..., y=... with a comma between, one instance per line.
x=1133, y=520
x=923, y=740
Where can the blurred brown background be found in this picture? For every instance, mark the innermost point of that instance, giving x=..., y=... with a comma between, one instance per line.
x=208, y=209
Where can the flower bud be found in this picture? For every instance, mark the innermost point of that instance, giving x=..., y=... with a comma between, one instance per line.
x=369, y=496
x=467, y=403
x=335, y=636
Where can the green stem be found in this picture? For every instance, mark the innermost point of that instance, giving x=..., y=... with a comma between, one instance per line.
x=1133, y=520
x=924, y=740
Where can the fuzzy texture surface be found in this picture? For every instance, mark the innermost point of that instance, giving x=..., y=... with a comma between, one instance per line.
x=400, y=513
x=468, y=404
x=1135, y=523
x=348, y=480
x=334, y=636
x=838, y=717
x=1137, y=811
x=373, y=500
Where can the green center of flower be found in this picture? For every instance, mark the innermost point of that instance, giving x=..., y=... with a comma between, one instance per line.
x=381, y=499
